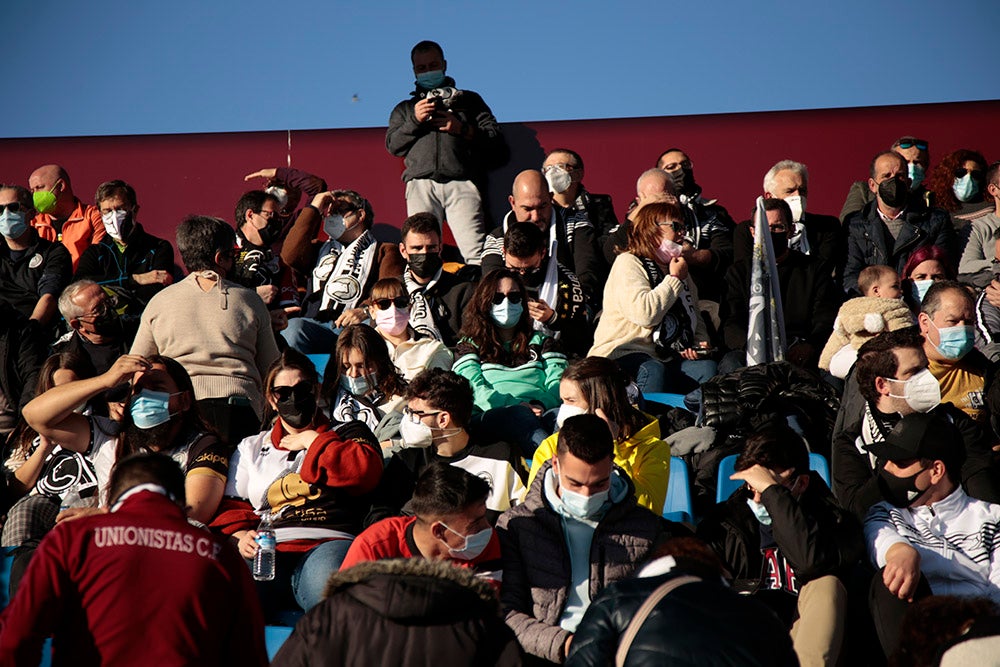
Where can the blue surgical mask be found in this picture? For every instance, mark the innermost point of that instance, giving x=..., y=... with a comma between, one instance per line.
x=150, y=408
x=965, y=188
x=580, y=506
x=12, y=224
x=358, y=386
x=759, y=512
x=916, y=174
x=475, y=544
x=955, y=341
x=506, y=314
x=432, y=79
x=918, y=290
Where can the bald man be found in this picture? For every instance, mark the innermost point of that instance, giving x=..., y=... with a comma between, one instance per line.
x=60, y=215
x=576, y=245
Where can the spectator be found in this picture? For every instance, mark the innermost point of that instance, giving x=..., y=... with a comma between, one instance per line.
x=914, y=151
x=890, y=228
x=809, y=299
x=97, y=333
x=573, y=246
x=595, y=385
x=288, y=185
x=411, y=352
x=927, y=265
x=976, y=264
x=650, y=324
x=653, y=185
x=448, y=139
x=949, y=631
x=128, y=261
x=988, y=316
x=556, y=301
x=787, y=542
x=91, y=575
x=22, y=351
x=892, y=380
x=59, y=215
x=310, y=477
x=926, y=534
x=578, y=531
x=958, y=183
x=563, y=171
x=402, y=612
x=219, y=331
x=514, y=372
x=701, y=619
x=449, y=523
x=33, y=270
x=257, y=267
x=341, y=270
x=435, y=427
x=360, y=383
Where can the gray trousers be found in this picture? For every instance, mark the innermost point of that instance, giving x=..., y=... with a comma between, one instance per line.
x=459, y=204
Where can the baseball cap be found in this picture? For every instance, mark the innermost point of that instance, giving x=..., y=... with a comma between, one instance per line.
x=921, y=436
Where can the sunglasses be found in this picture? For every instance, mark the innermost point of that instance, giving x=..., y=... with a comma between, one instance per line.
x=513, y=297
x=678, y=227
x=960, y=172
x=399, y=302
x=298, y=390
x=13, y=207
x=919, y=143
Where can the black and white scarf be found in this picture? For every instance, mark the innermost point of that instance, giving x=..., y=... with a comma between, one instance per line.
x=421, y=314
x=675, y=332
x=340, y=276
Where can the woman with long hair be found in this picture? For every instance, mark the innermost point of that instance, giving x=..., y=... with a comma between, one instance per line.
x=651, y=324
x=309, y=476
x=924, y=267
x=411, y=351
x=958, y=183
x=596, y=385
x=514, y=371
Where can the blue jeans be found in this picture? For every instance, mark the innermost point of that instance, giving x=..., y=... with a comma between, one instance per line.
x=310, y=336
x=648, y=371
x=310, y=575
x=515, y=424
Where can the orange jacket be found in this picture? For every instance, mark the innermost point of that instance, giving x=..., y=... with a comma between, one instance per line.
x=82, y=229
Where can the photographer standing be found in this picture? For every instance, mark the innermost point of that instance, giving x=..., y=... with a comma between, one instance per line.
x=448, y=139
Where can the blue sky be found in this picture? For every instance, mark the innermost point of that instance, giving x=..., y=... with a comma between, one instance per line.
x=145, y=67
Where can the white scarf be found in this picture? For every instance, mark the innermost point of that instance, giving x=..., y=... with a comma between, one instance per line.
x=346, y=407
x=342, y=273
x=421, y=318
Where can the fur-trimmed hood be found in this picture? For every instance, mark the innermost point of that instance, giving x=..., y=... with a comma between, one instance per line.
x=416, y=588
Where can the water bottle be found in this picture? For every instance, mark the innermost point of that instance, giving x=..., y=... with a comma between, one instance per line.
x=267, y=543
x=71, y=498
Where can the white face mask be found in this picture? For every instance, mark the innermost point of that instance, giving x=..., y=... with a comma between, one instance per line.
x=558, y=179
x=113, y=221
x=921, y=392
x=798, y=205
x=415, y=433
x=334, y=226
x=566, y=411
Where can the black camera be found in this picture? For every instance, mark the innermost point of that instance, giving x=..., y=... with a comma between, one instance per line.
x=445, y=97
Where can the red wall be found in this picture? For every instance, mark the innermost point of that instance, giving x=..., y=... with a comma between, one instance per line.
x=175, y=175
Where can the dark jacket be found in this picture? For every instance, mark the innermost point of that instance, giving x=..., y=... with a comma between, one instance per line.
x=809, y=301
x=814, y=535
x=596, y=209
x=22, y=352
x=444, y=157
x=860, y=195
x=826, y=238
x=404, y=612
x=701, y=624
x=448, y=298
x=43, y=268
x=869, y=241
x=537, y=572
x=107, y=265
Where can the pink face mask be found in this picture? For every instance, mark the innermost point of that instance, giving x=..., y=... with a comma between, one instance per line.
x=392, y=320
x=668, y=250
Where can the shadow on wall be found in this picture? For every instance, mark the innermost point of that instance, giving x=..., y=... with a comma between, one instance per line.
x=525, y=153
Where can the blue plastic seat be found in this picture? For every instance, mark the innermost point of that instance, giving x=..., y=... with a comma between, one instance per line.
x=274, y=637
x=320, y=361
x=678, y=505
x=725, y=486
x=673, y=400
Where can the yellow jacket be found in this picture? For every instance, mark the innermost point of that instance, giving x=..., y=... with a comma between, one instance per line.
x=644, y=456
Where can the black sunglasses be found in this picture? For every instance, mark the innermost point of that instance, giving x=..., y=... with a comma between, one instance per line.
x=513, y=297
x=399, y=302
x=960, y=172
x=13, y=207
x=298, y=390
x=919, y=143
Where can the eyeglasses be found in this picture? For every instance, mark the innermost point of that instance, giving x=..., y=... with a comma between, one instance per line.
x=283, y=393
x=398, y=301
x=13, y=207
x=977, y=174
x=513, y=297
x=524, y=271
x=103, y=309
x=562, y=165
x=678, y=227
x=919, y=143
x=267, y=215
x=416, y=415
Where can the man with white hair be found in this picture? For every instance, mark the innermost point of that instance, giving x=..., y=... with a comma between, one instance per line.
x=814, y=234
x=97, y=333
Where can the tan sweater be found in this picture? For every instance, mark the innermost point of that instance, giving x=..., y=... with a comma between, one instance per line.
x=222, y=337
x=632, y=309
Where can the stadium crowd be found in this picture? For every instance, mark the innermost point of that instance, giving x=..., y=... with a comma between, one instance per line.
x=465, y=454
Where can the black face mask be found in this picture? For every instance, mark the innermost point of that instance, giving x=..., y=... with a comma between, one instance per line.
x=298, y=409
x=424, y=265
x=270, y=233
x=779, y=240
x=899, y=491
x=894, y=192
